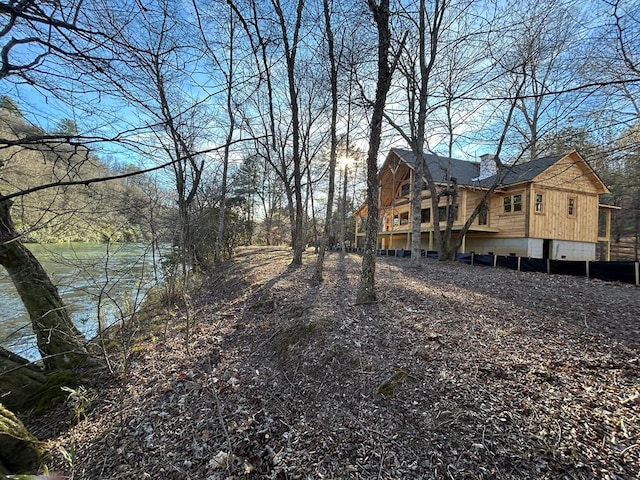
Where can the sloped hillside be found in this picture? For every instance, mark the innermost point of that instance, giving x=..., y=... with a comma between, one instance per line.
x=115, y=210
x=457, y=372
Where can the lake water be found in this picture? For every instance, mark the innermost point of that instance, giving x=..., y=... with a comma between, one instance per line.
x=119, y=274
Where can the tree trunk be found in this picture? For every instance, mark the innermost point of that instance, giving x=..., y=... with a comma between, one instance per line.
x=290, y=45
x=416, y=212
x=60, y=343
x=343, y=213
x=20, y=381
x=366, y=289
x=334, y=138
x=230, y=132
x=20, y=452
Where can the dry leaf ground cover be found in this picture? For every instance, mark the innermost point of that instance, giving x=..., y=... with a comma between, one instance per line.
x=457, y=372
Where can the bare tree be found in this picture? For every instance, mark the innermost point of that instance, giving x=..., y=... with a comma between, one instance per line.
x=542, y=46
x=290, y=40
x=623, y=61
x=42, y=32
x=333, y=144
x=45, y=33
x=157, y=78
x=224, y=50
x=418, y=67
x=381, y=16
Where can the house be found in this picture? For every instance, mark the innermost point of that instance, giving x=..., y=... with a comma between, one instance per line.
x=545, y=208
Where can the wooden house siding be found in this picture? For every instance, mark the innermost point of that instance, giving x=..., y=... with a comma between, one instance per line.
x=546, y=206
x=501, y=224
x=554, y=222
x=570, y=173
x=569, y=178
x=509, y=224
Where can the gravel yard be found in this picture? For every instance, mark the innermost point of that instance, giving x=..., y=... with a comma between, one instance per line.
x=456, y=372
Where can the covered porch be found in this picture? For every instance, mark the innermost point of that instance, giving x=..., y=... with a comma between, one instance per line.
x=400, y=238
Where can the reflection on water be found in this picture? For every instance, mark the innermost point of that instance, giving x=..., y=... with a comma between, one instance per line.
x=114, y=276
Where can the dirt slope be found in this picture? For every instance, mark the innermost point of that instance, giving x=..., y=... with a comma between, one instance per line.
x=457, y=372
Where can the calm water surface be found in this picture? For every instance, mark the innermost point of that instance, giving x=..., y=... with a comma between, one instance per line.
x=123, y=273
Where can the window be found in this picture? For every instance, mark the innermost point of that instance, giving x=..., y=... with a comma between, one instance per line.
x=517, y=203
x=404, y=189
x=442, y=213
x=483, y=215
x=539, y=203
x=513, y=203
x=425, y=215
x=571, y=207
x=404, y=218
x=507, y=204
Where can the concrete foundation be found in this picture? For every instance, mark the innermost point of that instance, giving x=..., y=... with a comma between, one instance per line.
x=533, y=247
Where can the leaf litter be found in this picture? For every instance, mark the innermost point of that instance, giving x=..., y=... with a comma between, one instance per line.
x=456, y=372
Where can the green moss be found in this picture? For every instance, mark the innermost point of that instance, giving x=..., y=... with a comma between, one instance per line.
x=368, y=367
x=389, y=386
x=52, y=393
x=294, y=335
x=20, y=452
x=139, y=348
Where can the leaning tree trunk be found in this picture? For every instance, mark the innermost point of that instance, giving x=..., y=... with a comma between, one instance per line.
x=20, y=381
x=60, y=343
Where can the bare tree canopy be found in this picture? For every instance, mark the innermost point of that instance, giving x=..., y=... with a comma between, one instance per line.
x=209, y=125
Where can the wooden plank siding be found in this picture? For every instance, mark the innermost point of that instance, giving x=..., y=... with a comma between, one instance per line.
x=500, y=224
x=555, y=222
x=569, y=179
x=558, y=201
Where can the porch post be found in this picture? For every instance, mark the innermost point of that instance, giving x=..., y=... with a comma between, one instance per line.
x=608, y=234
